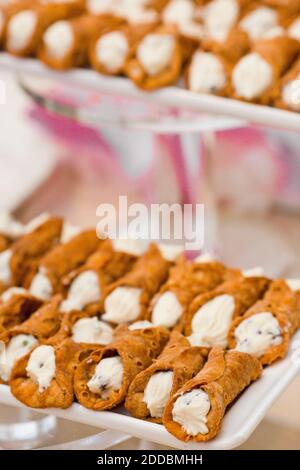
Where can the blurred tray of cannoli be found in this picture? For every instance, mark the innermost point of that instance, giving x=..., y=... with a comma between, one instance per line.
x=125, y=335
x=235, y=58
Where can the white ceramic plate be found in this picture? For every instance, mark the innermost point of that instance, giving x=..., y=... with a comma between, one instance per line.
x=238, y=425
x=171, y=96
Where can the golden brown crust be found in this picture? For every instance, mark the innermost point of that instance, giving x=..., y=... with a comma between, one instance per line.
x=60, y=393
x=66, y=257
x=9, y=10
x=180, y=358
x=148, y=273
x=16, y=310
x=245, y=290
x=4, y=242
x=47, y=14
x=137, y=349
x=135, y=71
x=29, y=249
x=283, y=304
x=223, y=378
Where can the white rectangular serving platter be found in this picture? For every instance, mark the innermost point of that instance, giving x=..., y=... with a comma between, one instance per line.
x=239, y=423
x=170, y=96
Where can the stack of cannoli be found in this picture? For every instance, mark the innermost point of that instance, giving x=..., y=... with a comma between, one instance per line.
x=106, y=323
x=242, y=49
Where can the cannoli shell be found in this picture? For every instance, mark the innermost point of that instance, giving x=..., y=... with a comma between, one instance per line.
x=180, y=358
x=47, y=14
x=29, y=249
x=60, y=392
x=85, y=28
x=110, y=265
x=148, y=273
x=133, y=35
x=289, y=6
x=135, y=71
x=188, y=279
x=246, y=291
x=225, y=375
x=64, y=258
x=227, y=66
x=137, y=350
x=236, y=45
x=283, y=303
x=7, y=11
x=291, y=75
x=17, y=310
x=4, y=242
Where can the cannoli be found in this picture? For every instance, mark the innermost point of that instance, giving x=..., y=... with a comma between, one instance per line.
x=128, y=299
x=288, y=94
x=186, y=281
x=209, y=72
x=23, y=256
x=111, y=49
x=102, y=380
x=44, y=377
x=267, y=327
x=10, y=9
x=256, y=75
x=208, y=319
x=16, y=306
x=10, y=230
x=156, y=60
x=151, y=388
x=65, y=44
x=290, y=6
x=86, y=286
x=59, y=262
x=25, y=29
x=196, y=411
x=134, y=12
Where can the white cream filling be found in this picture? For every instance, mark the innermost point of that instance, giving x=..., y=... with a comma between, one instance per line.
x=294, y=284
x=252, y=76
x=5, y=270
x=122, y=305
x=258, y=333
x=190, y=410
x=136, y=14
x=97, y=7
x=219, y=17
x=36, y=222
x=157, y=392
x=41, y=366
x=257, y=271
x=167, y=310
x=18, y=347
x=20, y=29
x=275, y=32
x=211, y=322
x=83, y=291
x=8, y=226
x=155, y=52
x=92, y=330
x=108, y=377
x=59, y=39
x=129, y=245
x=112, y=50
x=68, y=232
x=140, y=325
x=206, y=73
x=291, y=94
x=9, y=293
x=294, y=29
x=41, y=286
x=258, y=22
x=183, y=13
x=170, y=252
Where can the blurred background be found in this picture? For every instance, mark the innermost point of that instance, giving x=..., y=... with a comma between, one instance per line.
x=247, y=177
